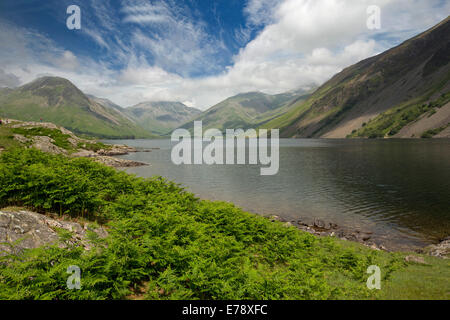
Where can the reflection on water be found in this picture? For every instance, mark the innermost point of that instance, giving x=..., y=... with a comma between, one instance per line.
x=399, y=189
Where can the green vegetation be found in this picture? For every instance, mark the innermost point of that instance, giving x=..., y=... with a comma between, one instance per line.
x=94, y=146
x=248, y=110
x=169, y=245
x=369, y=86
x=389, y=123
x=431, y=133
x=58, y=101
x=60, y=139
x=161, y=117
x=7, y=139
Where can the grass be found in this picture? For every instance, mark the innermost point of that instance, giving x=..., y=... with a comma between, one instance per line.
x=431, y=133
x=93, y=146
x=418, y=281
x=8, y=142
x=70, y=114
x=7, y=139
x=176, y=246
x=60, y=139
x=389, y=123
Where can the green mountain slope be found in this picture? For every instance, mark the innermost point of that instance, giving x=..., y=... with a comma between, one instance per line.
x=247, y=110
x=391, y=94
x=161, y=117
x=57, y=100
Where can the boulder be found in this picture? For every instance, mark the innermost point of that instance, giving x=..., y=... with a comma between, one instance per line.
x=415, y=259
x=22, y=229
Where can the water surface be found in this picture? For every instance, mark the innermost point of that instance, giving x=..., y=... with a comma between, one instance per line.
x=398, y=189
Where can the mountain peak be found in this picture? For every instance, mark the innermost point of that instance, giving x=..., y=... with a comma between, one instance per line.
x=49, y=81
x=381, y=95
x=58, y=100
x=161, y=116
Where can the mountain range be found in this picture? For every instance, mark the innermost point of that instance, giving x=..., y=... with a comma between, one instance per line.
x=57, y=100
x=401, y=93
x=248, y=110
x=161, y=117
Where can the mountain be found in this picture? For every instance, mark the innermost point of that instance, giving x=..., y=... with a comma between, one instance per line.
x=57, y=100
x=403, y=92
x=162, y=116
x=111, y=105
x=247, y=110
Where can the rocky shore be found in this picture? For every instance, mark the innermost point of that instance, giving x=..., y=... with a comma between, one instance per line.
x=108, y=156
x=80, y=145
x=323, y=228
x=22, y=229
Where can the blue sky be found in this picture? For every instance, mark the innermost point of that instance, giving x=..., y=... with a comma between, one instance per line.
x=217, y=30
x=199, y=51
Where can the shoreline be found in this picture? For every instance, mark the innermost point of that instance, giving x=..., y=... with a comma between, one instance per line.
x=322, y=228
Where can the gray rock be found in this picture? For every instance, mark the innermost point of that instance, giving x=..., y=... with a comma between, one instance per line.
x=26, y=230
x=441, y=250
x=118, y=163
x=415, y=259
x=45, y=144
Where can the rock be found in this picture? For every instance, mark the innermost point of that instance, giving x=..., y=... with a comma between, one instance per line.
x=274, y=218
x=319, y=224
x=118, y=163
x=333, y=225
x=415, y=259
x=21, y=138
x=73, y=142
x=441, y=250
x=27, y=230
x=116, y=150
x=84, y=154
x=45, y=144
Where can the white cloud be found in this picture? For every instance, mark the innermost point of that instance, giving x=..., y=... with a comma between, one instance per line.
x=176, y=42
x=304, y=42
x=67, y=61
x=8, y=79
x=260, y=12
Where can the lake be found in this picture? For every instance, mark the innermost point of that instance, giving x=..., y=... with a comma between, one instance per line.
x=397, y=189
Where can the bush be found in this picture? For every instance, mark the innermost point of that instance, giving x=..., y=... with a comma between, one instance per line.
x=164, y=239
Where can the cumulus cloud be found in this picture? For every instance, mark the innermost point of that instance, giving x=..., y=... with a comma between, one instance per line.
x=8, y=79
x=67, y=60
x=301, y=42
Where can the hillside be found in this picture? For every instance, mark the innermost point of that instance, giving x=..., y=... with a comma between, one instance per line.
x=248, y=110
x=58, y=208
x=50, y=138
x=58, y=101
x=161, y=117
x=403, y=92
x=137, y=238
x=111, y=105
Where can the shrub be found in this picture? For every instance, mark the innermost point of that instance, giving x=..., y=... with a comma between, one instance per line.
x=163, y=238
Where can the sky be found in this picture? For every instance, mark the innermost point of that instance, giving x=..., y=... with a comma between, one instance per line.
x=200, y=52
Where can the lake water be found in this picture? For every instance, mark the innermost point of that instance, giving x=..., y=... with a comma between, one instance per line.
x=398, y=189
